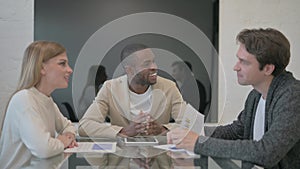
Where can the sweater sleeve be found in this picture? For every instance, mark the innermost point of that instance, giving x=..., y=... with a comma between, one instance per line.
x=232, y=131
x=62, y=124
x=36, y=137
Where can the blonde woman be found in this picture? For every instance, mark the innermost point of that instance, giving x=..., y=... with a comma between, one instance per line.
x=33, y=124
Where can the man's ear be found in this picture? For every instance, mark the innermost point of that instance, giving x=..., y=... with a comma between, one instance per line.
x=269, y=68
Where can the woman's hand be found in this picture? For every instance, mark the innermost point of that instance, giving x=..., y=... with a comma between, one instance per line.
x=68, y=139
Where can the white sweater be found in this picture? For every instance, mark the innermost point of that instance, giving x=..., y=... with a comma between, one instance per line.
x=31, y=123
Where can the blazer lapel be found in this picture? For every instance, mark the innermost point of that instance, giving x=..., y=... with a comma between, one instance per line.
x=120, y=97
x=159, y=102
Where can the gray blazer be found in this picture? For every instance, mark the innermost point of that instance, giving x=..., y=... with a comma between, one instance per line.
x=280, y=145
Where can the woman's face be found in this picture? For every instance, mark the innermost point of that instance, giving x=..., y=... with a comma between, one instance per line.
x=56, y=72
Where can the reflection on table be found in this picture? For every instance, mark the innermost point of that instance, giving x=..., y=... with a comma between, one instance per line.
x=130, y=157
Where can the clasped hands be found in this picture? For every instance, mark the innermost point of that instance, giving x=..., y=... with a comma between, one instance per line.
x=68, y=139
x=144, y=163
x=143, y=124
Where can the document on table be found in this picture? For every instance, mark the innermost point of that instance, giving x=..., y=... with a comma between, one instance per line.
x=93, y=147
x=193, y=120
x=169, y=147
x=172, y=148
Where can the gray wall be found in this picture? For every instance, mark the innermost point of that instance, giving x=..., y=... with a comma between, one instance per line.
x=72, y=23
x=16, y=25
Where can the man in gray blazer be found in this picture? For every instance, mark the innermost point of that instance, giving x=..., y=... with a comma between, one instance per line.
x=267, y=132
x=138, y=103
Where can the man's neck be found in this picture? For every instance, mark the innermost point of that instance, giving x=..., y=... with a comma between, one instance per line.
x=138, y=88
x=263, y=87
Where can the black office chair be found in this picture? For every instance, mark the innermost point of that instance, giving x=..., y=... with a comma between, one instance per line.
x=71, y=114
x=203, y=97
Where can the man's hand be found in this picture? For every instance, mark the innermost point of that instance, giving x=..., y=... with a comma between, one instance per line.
x=144, y=163
x=129, y=131
x=137, y=126
x=154, y=128
x=183, y=138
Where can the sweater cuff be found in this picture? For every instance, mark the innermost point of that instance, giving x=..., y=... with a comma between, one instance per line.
x=200, y=140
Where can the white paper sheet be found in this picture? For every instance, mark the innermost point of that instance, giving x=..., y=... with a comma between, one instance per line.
x=169, y=147
x=172, y=147
x=99, y=147
x=193, y=120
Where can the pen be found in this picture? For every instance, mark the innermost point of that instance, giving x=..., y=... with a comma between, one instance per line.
x=173, y=147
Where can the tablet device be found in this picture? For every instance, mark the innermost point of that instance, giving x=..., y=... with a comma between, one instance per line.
x=140, y=141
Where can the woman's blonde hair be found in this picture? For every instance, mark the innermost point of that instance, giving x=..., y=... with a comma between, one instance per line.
x=35, y=55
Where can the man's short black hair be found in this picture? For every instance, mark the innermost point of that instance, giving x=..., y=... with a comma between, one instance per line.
x=131, y=48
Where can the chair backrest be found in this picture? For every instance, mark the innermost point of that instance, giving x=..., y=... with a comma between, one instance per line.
x=203, y=96
x=70, y=111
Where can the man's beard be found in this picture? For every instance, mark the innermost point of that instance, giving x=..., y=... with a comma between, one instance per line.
x=141, y=80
